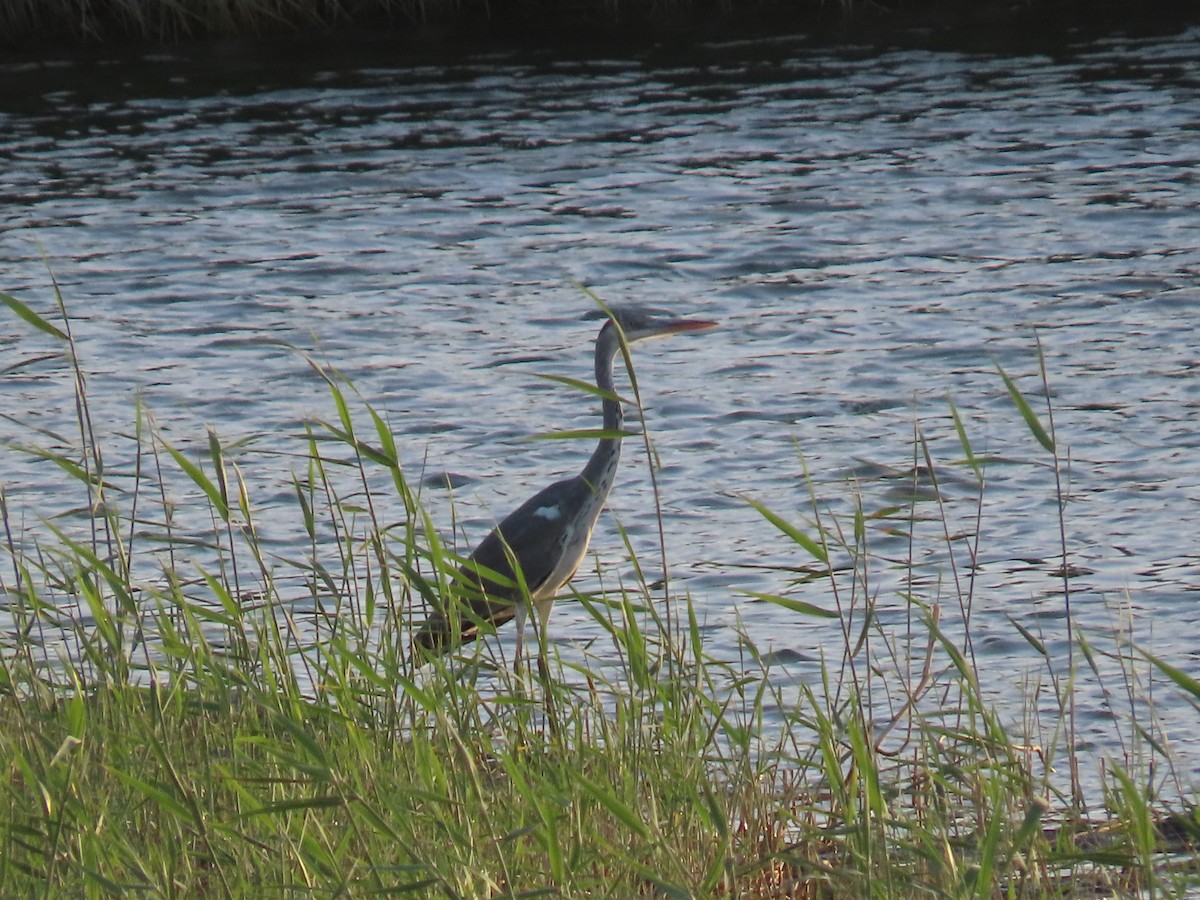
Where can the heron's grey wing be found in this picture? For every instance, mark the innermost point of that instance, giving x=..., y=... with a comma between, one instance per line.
x=534, y=536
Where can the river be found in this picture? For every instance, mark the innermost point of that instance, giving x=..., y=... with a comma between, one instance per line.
x=878, y=230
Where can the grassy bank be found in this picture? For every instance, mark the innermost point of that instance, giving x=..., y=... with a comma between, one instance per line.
x=188, y=710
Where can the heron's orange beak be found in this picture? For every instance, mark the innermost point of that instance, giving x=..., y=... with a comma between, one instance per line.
x=678, y=326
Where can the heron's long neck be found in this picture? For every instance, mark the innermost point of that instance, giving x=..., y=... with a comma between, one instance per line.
x=602, y=467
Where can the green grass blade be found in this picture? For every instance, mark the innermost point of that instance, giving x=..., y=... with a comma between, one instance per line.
x=814, y=548
x=965, y=442
x=201, y=481
x=619, y=810
x=577, y=434
x=799, y=606
x=1181, y=678
x=985, y=874
x=31, y=317
x=217, y=455
x=1029, y=826
x=585, y=386
x=161, y=796
x=1027, y=413
x=1029, y=636
x=321, y=801
x=72, y=468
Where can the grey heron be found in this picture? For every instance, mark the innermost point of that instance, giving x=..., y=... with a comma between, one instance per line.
x=547, y=536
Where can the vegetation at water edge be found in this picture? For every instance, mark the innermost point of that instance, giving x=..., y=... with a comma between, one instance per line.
x=189, y=710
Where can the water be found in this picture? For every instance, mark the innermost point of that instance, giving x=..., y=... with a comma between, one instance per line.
x=876, y=230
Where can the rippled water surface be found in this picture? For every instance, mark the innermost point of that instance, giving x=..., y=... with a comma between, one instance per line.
x=876, y=230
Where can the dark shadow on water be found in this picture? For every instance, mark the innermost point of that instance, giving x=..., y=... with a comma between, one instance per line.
x=601, y=29
x=115, y=71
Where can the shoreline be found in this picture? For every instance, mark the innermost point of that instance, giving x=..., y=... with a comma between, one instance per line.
x=63, y=25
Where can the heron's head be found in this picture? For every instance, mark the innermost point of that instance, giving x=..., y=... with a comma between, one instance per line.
x=640, y=323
